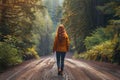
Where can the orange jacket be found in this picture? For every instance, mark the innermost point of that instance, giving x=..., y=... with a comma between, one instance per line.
x=61, y=46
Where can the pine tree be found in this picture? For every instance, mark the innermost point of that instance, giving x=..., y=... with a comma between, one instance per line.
x=79, y=20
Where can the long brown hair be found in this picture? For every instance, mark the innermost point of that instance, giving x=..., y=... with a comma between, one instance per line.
x=61, y=33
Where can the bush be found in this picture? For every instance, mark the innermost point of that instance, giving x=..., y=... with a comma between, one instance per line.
x=116, y=55
x=8, y=55
x=99, y=36
x=101, y=52
x=76, y=55
x=33, y=52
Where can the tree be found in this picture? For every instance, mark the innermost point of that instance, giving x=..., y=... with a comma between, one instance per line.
x=42, y=33
x=55, y=10
x=80, y=19
x=103, y=44
x=18, y=22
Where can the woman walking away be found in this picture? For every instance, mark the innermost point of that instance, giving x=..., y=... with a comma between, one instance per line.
x=61, y=45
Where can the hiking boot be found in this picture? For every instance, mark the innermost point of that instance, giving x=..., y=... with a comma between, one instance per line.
x=59, y=71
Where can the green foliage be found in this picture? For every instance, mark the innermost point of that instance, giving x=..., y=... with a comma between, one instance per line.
x=42, y=33
x=116, y=55
x=23, y=23
x=55, y=10
x=98, y=36
x=108, y=8
x=101, y=52
x=33, y=52
x=9, y=55
x=76, y=55
x=103, y=44
x=81, y=18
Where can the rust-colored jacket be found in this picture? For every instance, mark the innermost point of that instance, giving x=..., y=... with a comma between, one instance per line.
x=61, y=46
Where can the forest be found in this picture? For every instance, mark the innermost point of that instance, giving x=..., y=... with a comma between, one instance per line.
x=28, y=27
x=94, y=28
x=25, y=31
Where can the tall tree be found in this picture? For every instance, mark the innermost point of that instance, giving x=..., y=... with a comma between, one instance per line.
x=81, y=17
x=18, y=19
x=55, y=10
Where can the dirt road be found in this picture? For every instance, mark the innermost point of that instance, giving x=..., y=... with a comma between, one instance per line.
x=46, y=69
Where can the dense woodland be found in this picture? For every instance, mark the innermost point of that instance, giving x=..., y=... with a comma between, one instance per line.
x=94, y=28
x=27, y=29
x=54, y=8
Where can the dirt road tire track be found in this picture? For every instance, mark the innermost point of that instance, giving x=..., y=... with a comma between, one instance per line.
x=46, y=69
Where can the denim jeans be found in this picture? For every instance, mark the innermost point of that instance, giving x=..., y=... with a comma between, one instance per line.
x=60, y=56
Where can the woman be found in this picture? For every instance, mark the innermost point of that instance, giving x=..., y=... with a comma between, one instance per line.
x=61, y=45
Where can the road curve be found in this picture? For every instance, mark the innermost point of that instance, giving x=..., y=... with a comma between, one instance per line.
x=46, y=69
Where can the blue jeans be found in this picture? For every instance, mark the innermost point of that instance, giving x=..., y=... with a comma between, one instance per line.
x=60, y=56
